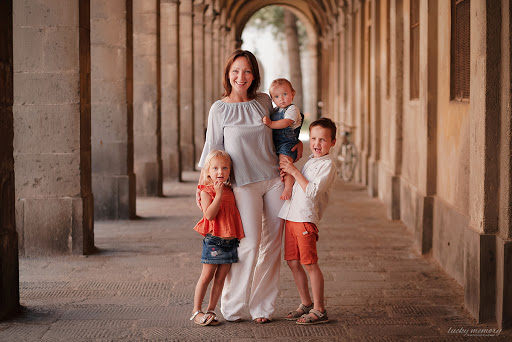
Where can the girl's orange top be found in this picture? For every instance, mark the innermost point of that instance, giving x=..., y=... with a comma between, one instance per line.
x=227, y=223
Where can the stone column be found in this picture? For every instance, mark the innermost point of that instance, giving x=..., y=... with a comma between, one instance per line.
x=169, y=38
x=218, y=65
x=146, y=98
x=113, y=180
x=375, y=100
x=186, y=74
x=504, y=238
x=199, y=81
x=210, y=95
x=52, y=127
x=396, y=84
x=9, y=281
x=479, y=238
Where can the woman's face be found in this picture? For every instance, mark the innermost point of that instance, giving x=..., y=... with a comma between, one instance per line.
x=240, y=75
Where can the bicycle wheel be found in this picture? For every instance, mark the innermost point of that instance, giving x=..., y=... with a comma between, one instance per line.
x=339, y=161
x=349, y=162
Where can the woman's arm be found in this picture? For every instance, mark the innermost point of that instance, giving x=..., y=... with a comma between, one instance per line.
x=214, y=132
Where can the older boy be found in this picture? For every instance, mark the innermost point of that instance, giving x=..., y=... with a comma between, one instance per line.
x=302, y=214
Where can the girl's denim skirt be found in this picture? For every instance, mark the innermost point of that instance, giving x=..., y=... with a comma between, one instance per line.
x=217, y=250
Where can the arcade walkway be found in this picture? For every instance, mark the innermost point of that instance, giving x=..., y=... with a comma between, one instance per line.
x=139, y=286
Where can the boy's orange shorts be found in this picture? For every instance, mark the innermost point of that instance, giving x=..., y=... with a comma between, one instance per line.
x=300, y=242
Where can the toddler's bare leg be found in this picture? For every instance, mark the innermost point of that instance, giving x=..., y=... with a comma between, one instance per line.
x=288, y=180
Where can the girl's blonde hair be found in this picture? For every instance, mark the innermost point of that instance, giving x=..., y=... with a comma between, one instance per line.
x=204, y=179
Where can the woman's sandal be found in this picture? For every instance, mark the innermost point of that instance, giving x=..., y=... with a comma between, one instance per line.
x=295, y=314
x=205, y=320
x=215, y=320
x=308, y=320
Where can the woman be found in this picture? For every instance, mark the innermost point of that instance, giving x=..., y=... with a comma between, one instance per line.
x=235, y=124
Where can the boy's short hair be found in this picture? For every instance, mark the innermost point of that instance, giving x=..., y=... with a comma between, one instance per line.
x=325, y=123
x=280, y=81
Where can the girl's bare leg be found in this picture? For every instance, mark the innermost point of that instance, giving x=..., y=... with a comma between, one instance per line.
x=288, y=180
x=218, y=285
x=205, y=278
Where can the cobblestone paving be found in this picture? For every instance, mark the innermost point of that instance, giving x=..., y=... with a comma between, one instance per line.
x=140, y=284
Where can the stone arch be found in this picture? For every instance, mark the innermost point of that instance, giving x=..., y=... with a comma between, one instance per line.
x=240, y=15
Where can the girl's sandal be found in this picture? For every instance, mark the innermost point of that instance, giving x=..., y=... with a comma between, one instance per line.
x=308, y=320
x=296, y=314
x=215, y=320
x=205, y=320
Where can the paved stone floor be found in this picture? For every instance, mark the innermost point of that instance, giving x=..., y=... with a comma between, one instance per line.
x=140, y=284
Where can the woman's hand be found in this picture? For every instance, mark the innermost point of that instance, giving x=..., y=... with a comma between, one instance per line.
x=300, y=148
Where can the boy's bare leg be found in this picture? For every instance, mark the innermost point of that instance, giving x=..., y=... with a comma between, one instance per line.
x=218, y=285
x=288, y=180
x=317, y=287
x=301, y=281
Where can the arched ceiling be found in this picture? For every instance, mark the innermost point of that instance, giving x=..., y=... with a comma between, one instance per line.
x=318, y=15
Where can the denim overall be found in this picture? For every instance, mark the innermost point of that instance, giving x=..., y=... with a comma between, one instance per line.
x=285, y=138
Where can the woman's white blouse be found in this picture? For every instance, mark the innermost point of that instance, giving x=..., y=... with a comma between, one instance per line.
x=238, y=129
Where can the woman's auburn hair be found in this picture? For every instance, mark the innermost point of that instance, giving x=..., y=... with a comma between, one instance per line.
x=253, y=62
x=205, y=179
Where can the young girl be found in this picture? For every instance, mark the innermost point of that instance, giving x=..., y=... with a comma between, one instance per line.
x=286, y=122
x=222, y=228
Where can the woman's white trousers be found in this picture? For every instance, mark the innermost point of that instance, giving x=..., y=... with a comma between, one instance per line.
x=254, y=280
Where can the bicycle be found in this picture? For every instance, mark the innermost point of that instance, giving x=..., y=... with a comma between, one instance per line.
x=346, y=158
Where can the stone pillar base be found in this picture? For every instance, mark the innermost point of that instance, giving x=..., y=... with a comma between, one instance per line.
x=114, y=196
x=149, y=178
x=172, y=170
x=416, y=211
x=373, y=178
x=423, y=229
x=55, y=226
x=504, y=283
x=389, y=193
x=363, y=168
x=448, y=238
x=480, y=275
x=9, y=280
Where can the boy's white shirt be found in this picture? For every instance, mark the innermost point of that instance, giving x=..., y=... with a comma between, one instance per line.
x=309, y=205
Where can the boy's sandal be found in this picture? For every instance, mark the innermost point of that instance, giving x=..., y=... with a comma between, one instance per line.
x=205, y=320
x=295, y=314
x=308, y=320
x=215, y=320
